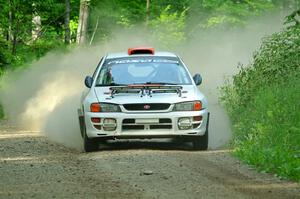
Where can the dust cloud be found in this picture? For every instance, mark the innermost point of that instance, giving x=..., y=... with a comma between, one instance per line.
x=45, y=97
x=216, y=58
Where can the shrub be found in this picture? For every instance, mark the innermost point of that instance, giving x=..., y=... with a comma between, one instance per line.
x=1, y=112
x=268, y=131
x=263, y=101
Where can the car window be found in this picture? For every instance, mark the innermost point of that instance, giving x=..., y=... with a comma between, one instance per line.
x=141, y=71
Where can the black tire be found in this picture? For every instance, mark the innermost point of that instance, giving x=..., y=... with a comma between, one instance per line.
x=201, y=142
x=89, y=145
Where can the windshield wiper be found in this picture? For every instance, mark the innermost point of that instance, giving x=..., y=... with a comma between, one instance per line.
x=112, y=84
x=162, y=83
x=142, y=83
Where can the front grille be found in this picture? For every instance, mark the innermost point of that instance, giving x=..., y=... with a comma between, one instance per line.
x=133, y=127
x=147, y=107
x=165, y=120
x=128, y=121
x=160, y=126
x=130, y=124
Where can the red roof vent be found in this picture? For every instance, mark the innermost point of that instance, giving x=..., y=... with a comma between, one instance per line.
x=140, y=50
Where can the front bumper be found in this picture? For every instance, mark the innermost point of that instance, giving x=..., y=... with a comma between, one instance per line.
x=147, y=132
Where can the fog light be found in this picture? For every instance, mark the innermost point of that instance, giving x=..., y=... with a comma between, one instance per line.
x=184, y=123
x=197, y=121
x=95, y=119
x=198, y=118
x=109, y=124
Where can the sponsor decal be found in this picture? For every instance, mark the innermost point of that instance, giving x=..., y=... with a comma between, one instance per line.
x=147, y=107
x=130, y=61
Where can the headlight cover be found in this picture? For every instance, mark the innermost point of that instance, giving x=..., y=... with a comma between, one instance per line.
x=188, y=106
x=104, y=107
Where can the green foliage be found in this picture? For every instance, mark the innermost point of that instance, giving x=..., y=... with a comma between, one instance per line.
x=198, y=15
x=110, y=16
x=179, y=6
x=169, y=28
x=167, y=19
x=268, y=131
x=5, y=55
x=263, y=103
x=292, y=18
x=27, y=53
x=1, y=112
x=73, y=28
x=215, y=14
x=16, y=22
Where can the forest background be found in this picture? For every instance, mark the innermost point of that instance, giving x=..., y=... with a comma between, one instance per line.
x=261, y=94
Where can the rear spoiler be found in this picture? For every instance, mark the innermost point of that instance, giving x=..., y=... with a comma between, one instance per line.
x=145, y=89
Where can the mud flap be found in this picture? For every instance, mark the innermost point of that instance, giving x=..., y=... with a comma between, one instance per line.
x=207, y=123
x=81, y=121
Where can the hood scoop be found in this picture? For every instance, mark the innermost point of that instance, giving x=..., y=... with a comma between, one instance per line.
x=145, y=90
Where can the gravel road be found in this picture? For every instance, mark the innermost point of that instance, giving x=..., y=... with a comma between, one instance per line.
x=33, y=167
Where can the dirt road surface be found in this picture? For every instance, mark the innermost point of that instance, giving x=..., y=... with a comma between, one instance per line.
x=33, y=167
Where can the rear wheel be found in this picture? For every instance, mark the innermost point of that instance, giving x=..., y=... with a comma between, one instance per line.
x=89, y=145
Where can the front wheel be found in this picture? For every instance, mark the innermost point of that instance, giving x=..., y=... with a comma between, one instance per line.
x=201, y=142
x=89, y=145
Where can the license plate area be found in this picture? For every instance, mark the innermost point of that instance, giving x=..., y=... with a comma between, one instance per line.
x=147, y=121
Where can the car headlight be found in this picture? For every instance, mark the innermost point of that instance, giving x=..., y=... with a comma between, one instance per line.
x=104, y=107
x=188, y=106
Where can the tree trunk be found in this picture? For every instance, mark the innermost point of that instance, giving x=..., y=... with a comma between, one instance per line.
x=67, y=23
x=147, y=11
x=10, y=19
x=83, y=22
x=13, y=28
x=95, y=30
x=14, y=40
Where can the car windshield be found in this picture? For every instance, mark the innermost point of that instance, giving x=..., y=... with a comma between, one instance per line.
x=142, y=70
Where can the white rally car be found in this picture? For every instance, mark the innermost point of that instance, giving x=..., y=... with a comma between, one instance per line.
x=143, y=94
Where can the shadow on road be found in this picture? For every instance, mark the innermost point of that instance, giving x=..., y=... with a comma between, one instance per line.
x=153, y=144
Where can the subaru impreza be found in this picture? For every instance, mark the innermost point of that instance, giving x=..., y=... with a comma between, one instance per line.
x=143, y=94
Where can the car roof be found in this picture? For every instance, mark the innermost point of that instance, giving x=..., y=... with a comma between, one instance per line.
x=123, y=54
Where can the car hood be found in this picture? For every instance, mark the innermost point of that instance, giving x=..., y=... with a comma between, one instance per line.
x=189, y=93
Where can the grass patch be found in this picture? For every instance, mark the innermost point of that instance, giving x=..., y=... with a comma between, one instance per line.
x=267, y=134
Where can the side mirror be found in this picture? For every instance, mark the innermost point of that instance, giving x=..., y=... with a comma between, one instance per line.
x=197, y=79
x=88, y=81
